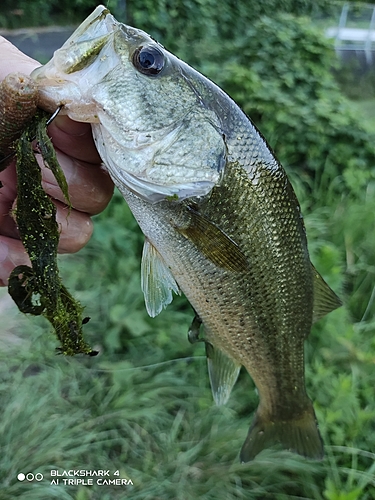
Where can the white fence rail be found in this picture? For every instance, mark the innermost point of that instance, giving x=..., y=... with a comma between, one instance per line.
x=355, y=38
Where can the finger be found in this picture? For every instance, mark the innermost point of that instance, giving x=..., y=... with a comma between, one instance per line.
x=74, y=138
x=12, y=254
x=75, y=231
x=90, y=187
x=90, y=190
x=75, y=228
x=9, y=227
x=8, y=191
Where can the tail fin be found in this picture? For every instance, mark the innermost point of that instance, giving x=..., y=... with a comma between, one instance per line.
x=300, y=435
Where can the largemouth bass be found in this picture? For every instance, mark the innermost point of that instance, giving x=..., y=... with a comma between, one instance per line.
x=220, y=217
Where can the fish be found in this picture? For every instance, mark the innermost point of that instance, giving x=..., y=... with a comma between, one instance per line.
x=221, y=221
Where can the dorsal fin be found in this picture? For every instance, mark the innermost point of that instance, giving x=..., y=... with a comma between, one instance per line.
x=325, y=299
x=157, y=280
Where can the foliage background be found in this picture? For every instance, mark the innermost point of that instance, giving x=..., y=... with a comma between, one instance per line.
x=143, y=406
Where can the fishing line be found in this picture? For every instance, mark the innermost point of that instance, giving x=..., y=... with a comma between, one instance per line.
x=364, y=317
x=163, y=363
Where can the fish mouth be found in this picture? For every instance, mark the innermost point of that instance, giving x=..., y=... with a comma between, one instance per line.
x=78, y=52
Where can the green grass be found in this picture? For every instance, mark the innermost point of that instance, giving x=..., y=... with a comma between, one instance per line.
x=143, y=406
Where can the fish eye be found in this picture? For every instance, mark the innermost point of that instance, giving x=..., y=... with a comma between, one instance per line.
x=148, y=60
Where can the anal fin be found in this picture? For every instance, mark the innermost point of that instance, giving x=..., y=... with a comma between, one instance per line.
x=157, y=280
x=223, y=373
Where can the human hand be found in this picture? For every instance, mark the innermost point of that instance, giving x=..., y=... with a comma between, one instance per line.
x=90, y=187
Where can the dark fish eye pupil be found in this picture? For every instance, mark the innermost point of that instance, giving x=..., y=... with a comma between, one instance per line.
x=148, y=60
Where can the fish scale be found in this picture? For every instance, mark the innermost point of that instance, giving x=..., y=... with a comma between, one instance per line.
x=220, y=217
x=249, y=318
x=255, y=299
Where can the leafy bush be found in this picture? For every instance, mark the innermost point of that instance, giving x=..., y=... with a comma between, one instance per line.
x=278, y=68
x=28, y=13
x=278, y=71
x=171, y=21
x=356, y=79
x=176, y=23
x=35, y=13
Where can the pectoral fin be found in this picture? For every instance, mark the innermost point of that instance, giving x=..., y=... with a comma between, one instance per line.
x=213, y=242
x=223, y=372
x=157, y=280
x=325, y=299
